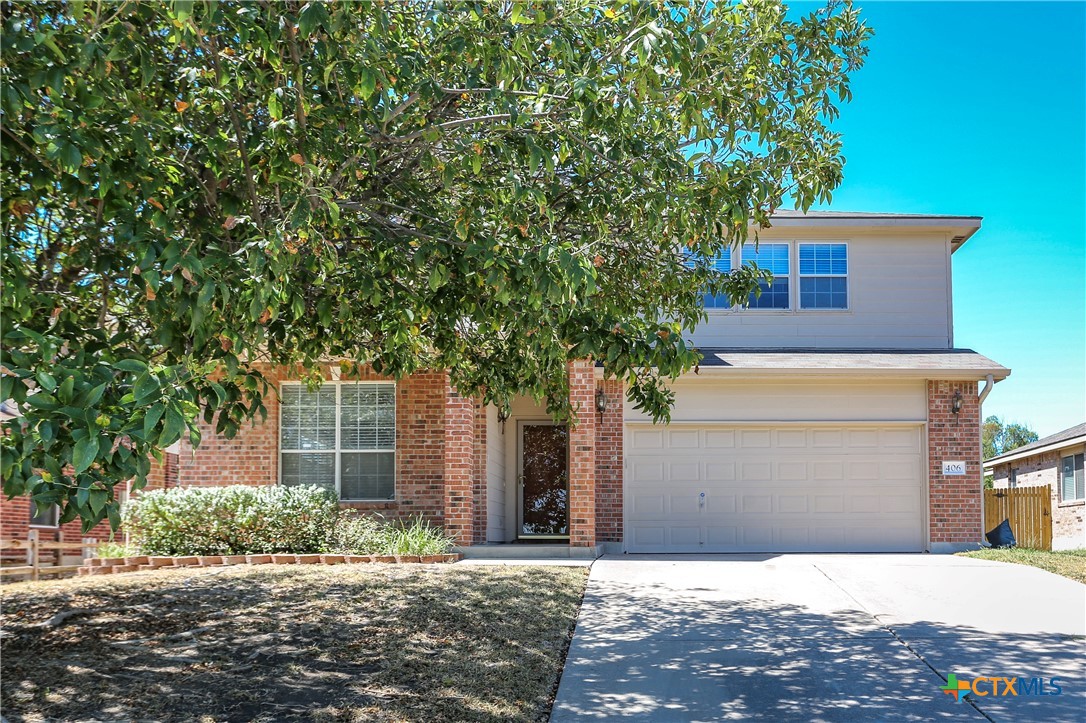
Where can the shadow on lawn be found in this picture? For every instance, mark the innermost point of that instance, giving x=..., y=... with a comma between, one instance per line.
x=396, y=642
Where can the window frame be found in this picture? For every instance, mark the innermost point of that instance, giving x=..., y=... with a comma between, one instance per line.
x=38, y=525
x=847, y=276
x=338, y=450
x=791, y=245
x=1078, y=474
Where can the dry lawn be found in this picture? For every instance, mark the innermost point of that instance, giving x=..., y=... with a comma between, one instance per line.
x=345, y=642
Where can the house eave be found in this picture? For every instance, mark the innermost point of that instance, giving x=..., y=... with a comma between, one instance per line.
x=1014, y=457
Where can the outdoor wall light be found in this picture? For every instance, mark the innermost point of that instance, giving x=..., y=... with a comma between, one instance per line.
x=601, y=401
x=956, y=405
x=503, y=415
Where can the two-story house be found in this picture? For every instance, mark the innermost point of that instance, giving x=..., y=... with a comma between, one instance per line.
x=832, y=414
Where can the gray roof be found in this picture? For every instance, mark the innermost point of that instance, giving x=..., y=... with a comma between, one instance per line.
x=1067, y=435
x=929, y=363
x=961, y=227
x=790, y=213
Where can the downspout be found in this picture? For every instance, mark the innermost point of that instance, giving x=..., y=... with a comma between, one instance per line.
x=989, y=382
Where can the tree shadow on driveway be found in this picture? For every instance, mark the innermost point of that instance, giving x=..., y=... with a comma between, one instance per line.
x=650, y=652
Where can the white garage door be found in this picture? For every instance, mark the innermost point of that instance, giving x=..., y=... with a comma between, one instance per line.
x=726, y=488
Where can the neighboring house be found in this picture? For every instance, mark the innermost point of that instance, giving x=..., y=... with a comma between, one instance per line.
x=1055, y=462
x=18, y=516
x=820, y=420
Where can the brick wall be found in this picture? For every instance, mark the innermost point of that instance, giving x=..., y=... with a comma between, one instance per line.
x=609, y=464
x=954, y=501
x=252, y=456
x=163, y=474
x=479, y=475
x=582, y=454
x=1041, y=469
x=1068, y=525
x=459, y=465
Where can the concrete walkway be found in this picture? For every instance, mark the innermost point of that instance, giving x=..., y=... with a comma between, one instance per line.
x=820, y=638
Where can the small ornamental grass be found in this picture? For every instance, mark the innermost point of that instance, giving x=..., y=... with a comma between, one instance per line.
x=233, y=520
x=357, y=534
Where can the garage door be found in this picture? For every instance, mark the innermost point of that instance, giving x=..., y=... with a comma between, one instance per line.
x=723, y=488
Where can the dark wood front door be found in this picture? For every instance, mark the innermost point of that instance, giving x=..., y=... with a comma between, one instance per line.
x=544, y=480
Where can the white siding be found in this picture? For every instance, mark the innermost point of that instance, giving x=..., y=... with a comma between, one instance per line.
x=899, y=297
x=702, y=399
x=495, y=477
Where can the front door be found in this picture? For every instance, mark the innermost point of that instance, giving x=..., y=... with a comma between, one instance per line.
x=544, y=480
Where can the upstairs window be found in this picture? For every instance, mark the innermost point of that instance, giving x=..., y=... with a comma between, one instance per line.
x=823, y=276
x=1072, y=485
x=341, y=437
x=772, y=258
x=723, y=264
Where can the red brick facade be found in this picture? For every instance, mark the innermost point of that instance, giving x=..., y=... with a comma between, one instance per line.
x=609, y=464
x=582, y=455
x=460, y=483
x=441, y=460
x=954, y=502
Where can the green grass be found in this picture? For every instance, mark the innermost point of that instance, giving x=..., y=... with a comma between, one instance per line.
x=1069, y=563
x=270, y=643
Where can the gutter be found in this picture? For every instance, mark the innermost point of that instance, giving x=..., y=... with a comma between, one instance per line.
x=989, y=382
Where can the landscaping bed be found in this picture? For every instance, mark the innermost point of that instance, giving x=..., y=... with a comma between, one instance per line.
x=1069, y=563
x=311, y=642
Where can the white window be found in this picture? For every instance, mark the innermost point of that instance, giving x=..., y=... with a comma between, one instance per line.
x=722, y=262
x=823, y=276
x=775, y=259
x=341, y=437
x=1072, y=485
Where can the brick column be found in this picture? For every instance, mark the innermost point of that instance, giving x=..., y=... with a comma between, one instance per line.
x=954, y=502
x=459, y=464
x=479, y=473
x=582, y=454
x=609, y=464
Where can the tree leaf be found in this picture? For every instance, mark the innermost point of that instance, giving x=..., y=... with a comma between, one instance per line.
x=85, y=453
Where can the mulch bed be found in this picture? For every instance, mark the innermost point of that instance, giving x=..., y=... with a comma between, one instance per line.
x=345, y=642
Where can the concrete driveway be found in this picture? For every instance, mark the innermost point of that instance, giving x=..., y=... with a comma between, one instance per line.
x=821, y=638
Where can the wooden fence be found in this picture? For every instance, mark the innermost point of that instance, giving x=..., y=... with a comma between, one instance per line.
x=36, y=549
x=1028, y=508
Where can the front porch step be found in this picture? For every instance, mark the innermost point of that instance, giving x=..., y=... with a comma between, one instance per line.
x=513, y=551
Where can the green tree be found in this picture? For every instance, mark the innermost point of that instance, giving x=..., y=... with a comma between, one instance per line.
x=190, y=188
x=998, y=438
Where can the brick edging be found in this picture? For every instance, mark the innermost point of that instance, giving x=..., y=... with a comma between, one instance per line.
x=114, y=565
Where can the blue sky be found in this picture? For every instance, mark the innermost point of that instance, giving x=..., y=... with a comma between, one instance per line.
x=978, y=109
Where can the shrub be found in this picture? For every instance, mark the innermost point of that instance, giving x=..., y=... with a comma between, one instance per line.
x=357, y=534
x=232, y=520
